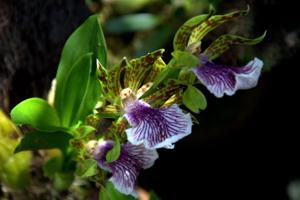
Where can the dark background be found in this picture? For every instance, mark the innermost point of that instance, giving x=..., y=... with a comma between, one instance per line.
x=245, y=147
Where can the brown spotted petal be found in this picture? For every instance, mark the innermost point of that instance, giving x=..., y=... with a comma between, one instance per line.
x=137, y=69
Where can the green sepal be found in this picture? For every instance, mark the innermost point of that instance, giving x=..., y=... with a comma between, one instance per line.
x=225, y=42
x=138, y=68
x=158, y=66
x=170, y=71
x=182, y=35
x=158, y=98
x=110, y=80
x=213, y=22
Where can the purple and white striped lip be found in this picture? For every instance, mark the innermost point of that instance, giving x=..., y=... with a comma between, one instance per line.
x=156, y=128
x=220, y=79
x=126, y=168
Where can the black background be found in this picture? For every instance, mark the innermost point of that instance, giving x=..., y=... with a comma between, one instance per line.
x=245, y=147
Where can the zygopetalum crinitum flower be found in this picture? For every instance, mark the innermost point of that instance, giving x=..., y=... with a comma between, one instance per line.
x=142, y=96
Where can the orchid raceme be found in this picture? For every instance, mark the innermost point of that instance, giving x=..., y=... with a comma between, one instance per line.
x=126, y=168
x=112, y=119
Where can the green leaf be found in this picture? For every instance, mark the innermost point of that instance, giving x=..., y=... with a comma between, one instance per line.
x=87, y=168
x=80, y=91
x=86, y=38
x=114, y=153
x=213, y=22
x=37, y=113
x=110, y=193
x=185, y=59
x=44, y=140
x=194, y=99
x=52, y=166
x=182, y=35
x=132, y=23
x=224, y=42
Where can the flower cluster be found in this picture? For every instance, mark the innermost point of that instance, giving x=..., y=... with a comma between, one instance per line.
x=151, y=124
x=112, y=120
x=143, y=95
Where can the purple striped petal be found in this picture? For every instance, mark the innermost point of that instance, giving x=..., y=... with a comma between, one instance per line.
x=156, y=128
x=126, y=168
x=221, y=79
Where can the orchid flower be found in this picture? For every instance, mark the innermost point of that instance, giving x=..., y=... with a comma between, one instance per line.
x=154, y=127
x=220, y=79
x=126, y=168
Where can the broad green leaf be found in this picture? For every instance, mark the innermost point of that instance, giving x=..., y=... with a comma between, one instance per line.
x=213, y=22
x=109, y=192
x=87, y=168
x=52, y=166
x=185, y=59
x=114, y=153
x=44, y=140
x=138, y=69
x=37, y=113
x=80, y=91
x=194, y=99
x=132, y=23
x=224, y=42
x=86, y=38
x=181, y=38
